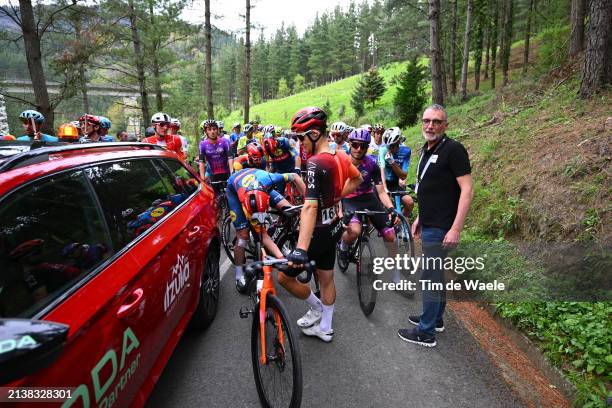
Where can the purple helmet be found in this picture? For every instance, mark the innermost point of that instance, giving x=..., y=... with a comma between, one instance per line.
x=361, y=135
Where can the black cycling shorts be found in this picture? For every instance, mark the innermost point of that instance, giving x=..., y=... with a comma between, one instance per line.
x=322, y=247
x=370, y=202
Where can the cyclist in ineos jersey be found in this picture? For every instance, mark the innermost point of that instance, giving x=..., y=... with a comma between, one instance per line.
x=330, y=176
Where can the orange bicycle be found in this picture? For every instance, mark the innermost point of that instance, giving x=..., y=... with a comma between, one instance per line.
x=275, y=353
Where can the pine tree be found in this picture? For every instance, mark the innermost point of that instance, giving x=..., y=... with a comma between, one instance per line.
x=283, y=89
x=411, y=93
x=357, y=98
x=298, y=83
x=373, y=86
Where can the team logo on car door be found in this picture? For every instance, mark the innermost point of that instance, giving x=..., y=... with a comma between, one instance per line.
x=178, y=280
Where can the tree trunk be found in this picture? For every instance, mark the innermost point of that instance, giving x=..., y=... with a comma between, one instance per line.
x=527, y=36
x=466, y=50
x=508, y=22
x=577, y=26
x=208, y=45
x=478, y=52
x=33, y=55
x=487, y=49
x=597, y=68
x=159, y=101
x=494, y=32
x=247, y=72
x=139, y=64
x=83, y=83
x=437, y=95
x=453, y=48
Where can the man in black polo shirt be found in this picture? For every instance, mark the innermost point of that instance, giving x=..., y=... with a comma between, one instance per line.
x=444, y=191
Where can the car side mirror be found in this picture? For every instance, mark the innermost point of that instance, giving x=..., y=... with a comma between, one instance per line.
x=26, y=346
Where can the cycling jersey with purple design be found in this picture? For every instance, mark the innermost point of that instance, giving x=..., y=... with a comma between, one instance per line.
x=370, y=171
x=216, y=155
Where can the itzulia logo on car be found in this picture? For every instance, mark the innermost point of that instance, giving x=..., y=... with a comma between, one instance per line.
x=179, y=277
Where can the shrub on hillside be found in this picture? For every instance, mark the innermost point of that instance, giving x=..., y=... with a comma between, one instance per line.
x=411, y=93
x=357, y=102
x=554, y=47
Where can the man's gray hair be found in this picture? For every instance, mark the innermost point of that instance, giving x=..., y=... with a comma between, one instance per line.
x=437, y=107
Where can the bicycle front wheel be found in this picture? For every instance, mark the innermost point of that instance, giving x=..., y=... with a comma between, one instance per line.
x=405, y=243
x=365, y=278
x=279, y=380
x=228, y=238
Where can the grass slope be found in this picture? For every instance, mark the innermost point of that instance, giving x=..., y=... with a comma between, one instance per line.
x=280, y=111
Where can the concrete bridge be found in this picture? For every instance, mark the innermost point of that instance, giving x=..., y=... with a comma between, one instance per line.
x=24, y=86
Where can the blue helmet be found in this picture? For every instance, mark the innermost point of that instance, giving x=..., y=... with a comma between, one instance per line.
x=105, y=122
x=360, y=135
x=26, y=115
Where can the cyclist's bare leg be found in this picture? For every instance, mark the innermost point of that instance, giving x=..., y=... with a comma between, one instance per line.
x=292, y=285
x=242, y=235
x=350, y=234
x=389, y=240
x=271, y=247
x=408, y=205
x=328, y=297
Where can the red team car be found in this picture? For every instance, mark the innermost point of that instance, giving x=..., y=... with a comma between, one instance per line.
x=107, y=253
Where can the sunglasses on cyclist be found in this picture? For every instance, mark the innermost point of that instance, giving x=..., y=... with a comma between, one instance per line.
x=359, y=146
x=163, y=124
x=301, y=136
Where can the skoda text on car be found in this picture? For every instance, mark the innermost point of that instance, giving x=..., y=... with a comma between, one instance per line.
x=107, y=253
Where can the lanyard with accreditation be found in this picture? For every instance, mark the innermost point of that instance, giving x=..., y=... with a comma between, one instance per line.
x=432, y=159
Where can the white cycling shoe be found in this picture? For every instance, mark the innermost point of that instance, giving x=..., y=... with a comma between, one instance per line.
x=316, y=331
x=311, y=317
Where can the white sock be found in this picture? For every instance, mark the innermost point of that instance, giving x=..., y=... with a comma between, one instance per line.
x=314, y=302
x=396, y=276
x=326, y=319
x=239, y=272
x=343, y=245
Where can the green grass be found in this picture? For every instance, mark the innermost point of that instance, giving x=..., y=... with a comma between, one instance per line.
x=280, y=111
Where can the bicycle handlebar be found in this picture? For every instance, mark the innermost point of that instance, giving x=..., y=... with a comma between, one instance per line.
x=287, y=211
x=280, y=264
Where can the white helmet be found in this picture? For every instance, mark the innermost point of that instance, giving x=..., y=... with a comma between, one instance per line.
x=367, y=126
x=236, y=125
x=338, y=127
x=268, y=129
x=176, y=122
x=220, y=124
x=392, y=135
x=160, y=117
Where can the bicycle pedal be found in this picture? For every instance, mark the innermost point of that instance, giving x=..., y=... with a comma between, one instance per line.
x=244, y=312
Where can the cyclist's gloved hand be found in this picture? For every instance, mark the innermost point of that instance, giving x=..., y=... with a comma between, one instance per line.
x=298, y=257
x=389, y=158
x=392, y=216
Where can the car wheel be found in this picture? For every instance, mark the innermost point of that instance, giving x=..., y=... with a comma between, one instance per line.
x=209, y=290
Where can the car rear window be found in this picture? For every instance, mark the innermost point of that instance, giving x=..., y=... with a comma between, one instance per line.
x=51, y=235
x=134, y=197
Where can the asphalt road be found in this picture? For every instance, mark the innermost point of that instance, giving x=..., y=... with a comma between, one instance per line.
x=366, y=365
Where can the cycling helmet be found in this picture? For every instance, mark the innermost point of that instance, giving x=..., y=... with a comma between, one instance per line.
x=255, y=152
x=268, y=129
x=209, y=123
x=27, y=248
x=76, y=124
x=175, y=123
x=256, y=201
x=360, y=135
x=278, y=130
x=236, y=125
x=379, y=127
x=220, y=124
x=160, y=117
x=105, y=122
x=260, y=128
x=307, y=118
x=269, y=145
x=90, y=119
x=68, y=131
x=149, y=132
x=338, y=127
x=248, y=128
x=29, y=114
x=392, y=136
x=367, y=126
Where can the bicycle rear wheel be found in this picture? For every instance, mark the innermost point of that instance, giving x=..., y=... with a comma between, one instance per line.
x=228, y=238
x=405, y=243
x=342, y=264
x=365, y=277
x=279, y=381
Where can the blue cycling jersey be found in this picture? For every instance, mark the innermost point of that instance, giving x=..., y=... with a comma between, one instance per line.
x=43, y=138
x=402, y=157
x=283, y=158
x=254, y=179
x=345, y=146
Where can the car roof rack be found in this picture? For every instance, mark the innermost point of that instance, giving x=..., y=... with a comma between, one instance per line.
x=40, y=151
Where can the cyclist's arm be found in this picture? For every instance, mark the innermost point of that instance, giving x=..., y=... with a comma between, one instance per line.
x=202, y=170
x=299, y=183
x=355, y=179
x=400, y=172
x=308, y=219
x=384, y=197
